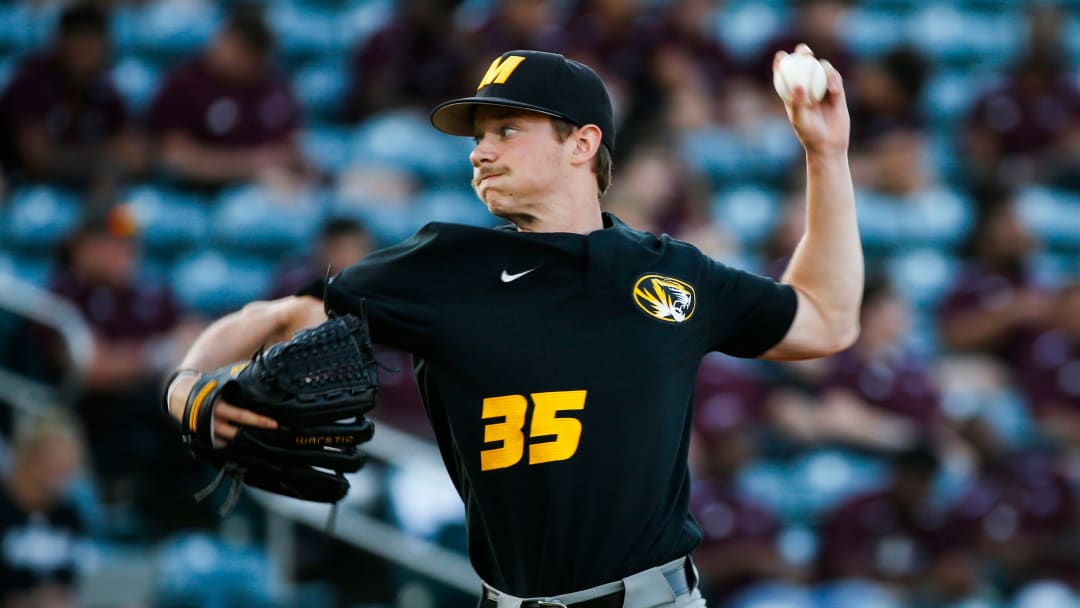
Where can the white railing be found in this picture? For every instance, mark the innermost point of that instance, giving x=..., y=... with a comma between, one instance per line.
x=367, y=533
x=40, y=306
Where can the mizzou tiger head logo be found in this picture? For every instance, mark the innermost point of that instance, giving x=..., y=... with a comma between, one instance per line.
x=665, y=298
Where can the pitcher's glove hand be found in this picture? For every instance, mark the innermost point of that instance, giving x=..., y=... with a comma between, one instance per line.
x=317, y=386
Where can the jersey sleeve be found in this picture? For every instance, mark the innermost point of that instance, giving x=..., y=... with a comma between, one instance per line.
x=749, y=313
x=398, y=287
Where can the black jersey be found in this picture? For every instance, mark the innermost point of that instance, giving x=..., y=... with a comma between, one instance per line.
x=558, y=372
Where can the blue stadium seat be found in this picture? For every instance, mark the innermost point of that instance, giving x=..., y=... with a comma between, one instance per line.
x=952, y=34
x=254, y=219
x=880, y=223
x=723, y=155
x=937, y=216
x=327, y=147
x=304, y=28
x=948, y=96
x=855, y=594
x=747, y=211
x=358, y=21
x=387, y=224
x=921, y=275
x=213, y=283
x=199, y=569
x=40, y=216
x=408, y=141
x=137, y=80
x=453, y=205
x=1046, y=594
x=869, y=31
x=320, y=87
x=173, y=27
x=33, y=269
x=773, y=595
x=170, y=220
x=766, y=481
x=1054, y=215
x=825, y=477
x=24, y=25
x=745, y=26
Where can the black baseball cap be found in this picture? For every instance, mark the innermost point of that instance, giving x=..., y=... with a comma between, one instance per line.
x=534, y=80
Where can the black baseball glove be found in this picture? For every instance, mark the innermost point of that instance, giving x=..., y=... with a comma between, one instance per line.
x=318, y=385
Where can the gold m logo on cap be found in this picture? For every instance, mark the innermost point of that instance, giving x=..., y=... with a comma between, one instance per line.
x=500, y=70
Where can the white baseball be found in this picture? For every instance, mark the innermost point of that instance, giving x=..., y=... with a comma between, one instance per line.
x=798, y=70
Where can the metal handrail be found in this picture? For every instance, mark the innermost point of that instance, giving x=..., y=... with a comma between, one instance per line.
x=369, y=534
x=45, y=308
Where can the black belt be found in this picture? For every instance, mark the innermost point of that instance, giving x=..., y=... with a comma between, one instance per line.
x=611, y=600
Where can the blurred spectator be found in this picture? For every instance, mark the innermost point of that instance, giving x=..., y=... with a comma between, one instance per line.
x=138, y=330
x=226, y=115
x=888, y=147
x=516, y=24
x=692, y=68
x=1048, y=369
x=63, y=119
x=900, y=536
x=1027, y=128
x=657, y=192
x=39, y=526
x=1021, y=510
x=618, y=39
x=879, y=395
x=816, y=23
x=740, y=544
x=994, y=299
x=342, y=243
x=415, y=60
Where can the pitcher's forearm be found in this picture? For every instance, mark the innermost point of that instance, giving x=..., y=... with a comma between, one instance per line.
x=827, y=265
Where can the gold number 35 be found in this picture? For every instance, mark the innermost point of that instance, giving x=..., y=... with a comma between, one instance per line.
x=512, y=408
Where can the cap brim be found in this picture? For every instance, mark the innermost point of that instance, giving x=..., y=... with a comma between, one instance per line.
x=456, y=116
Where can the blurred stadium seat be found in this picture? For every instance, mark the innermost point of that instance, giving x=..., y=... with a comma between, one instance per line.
x=321, y=86
x=254, y=219
x=201, y=570
x=854, y=594
x=213, y=283
x=747, y=211
x=40, y=216
x=168, y=28
x=1054, y=215
x=137, y=79
x=169, y=220
x=921, y=276
x=773, y=595
x=407, y=141
x=455, y=205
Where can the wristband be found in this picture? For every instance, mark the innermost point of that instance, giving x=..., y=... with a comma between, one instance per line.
x=167, y=393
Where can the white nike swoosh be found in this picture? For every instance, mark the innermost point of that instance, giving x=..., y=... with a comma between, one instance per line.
x=506, y=278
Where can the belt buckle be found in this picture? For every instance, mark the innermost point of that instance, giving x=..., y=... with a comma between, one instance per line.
x=550, y=604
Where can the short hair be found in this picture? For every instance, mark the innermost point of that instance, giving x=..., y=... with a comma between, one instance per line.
x=601, y=162
x=876, y=288
x=342, y=226
x=908, y=68
x=82, y=18
x=50, y=424
x=248, y=23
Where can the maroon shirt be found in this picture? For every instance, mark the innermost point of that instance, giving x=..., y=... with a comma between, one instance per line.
x=1048, y=371
x=979, y=288
x=892, y=543
x=214, y=111
x=40, y=94
x=728, y=394
x=899, y=383
x=404, y=66
x=1026, y=125
x=728, y=519
x=132, y=313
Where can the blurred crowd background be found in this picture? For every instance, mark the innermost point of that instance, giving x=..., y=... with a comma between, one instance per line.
x=166, y=161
